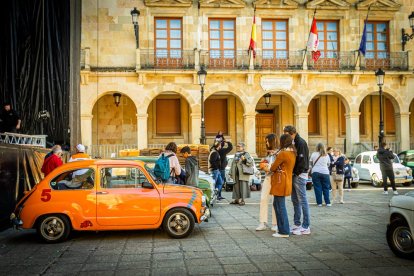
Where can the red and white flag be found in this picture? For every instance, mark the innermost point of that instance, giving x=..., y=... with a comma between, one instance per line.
x=313, y=41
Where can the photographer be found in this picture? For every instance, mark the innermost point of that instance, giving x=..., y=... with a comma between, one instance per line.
x=386, y=157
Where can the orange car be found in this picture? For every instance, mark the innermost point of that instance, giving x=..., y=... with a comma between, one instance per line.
x=98, y=195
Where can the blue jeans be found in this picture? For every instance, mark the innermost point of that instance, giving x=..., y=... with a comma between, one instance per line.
x=300, y=202
x=321, y=184
x=219, y=181
x=223, y=175
x=281, y=215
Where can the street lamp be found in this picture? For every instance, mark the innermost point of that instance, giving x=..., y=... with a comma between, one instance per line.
x=134, y=14
x=202, y=74
x=117, y=98
x=406, y=37
x=379, y=74
x=267, y=99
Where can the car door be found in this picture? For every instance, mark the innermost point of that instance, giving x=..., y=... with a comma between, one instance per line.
x=366, y=164
x=357, y=165
x=122, y=200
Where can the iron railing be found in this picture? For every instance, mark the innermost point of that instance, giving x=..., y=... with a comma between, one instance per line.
x=390, y=61
x=335, y=61
x=357, y=148
x=282, y=60
x=167, y=59
x=225, y=59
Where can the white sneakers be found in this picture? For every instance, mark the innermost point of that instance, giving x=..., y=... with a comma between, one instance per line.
x=385, y=192
x=301, y=231
x=319, y=205
x=395, y=193
x=329, y=205
x=274, y=228
x=277, y=235
x=262, y=226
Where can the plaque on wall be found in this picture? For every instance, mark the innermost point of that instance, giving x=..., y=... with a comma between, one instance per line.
x=276, y=83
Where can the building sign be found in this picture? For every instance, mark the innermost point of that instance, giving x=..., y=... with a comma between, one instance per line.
x=273, y=83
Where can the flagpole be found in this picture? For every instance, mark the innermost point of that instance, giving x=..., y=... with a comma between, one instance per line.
x=310, y=30
x=365, y=22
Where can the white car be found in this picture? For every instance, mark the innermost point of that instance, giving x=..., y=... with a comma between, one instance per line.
x=368, y=167
x=400, y=236
x=256, y=178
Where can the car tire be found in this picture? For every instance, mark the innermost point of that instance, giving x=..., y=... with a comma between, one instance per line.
x=407, y=184
x=400, y=239
x=375, y=181
x=178, y=223
x=354, y=185
x=53, y=228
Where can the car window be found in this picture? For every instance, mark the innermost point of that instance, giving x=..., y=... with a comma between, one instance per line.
x=409, y=158
x=366, y=159
x=402, y=156
x=74, y=179
x=358, y=159
x=122, y=177
x=396, y=160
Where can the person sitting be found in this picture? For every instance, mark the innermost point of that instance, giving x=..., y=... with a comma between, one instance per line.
x=53, y=161
x=80, y=154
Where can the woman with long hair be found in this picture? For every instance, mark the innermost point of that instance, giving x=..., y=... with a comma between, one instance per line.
x=281, y=183
x=271, y=147
x=320, y=162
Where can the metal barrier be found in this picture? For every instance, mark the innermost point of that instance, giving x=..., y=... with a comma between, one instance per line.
x=23, y=139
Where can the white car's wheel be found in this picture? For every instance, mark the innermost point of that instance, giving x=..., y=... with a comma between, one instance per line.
x=376, y=182
x=400, y=239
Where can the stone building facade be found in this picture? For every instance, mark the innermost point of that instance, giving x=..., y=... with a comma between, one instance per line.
x=333, y=100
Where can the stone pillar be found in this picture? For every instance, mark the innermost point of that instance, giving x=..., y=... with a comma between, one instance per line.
x=352, y=131
x=357, y=57
x=137, y=59
x=301, y=119
x=142, y=131
x=410, y=64
x=403, y=129
x=86, y=126
x=305, y=60
x=195, y=132
x=87, y=58
x=251, y=60
x=250, y=133
x=196, y=59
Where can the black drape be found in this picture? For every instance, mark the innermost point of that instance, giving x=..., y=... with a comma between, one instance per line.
x=34, y=58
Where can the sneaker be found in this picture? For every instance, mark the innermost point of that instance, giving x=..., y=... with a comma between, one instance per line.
x=305, y=231
x=294, y=228
x=277, y=235
x=348, y=190
x=395, y=193
x=328, y=205
x=261, y=227
x=385, y=192
x=319, y=205
x=274, y=228
x=297, y=231
x=342, y=202
x=220, y=198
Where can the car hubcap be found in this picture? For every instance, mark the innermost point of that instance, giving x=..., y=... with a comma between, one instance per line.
x=52, y=228
x=403, y=239
x=179, y=223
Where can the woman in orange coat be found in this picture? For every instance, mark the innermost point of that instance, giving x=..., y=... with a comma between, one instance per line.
x=281, y=183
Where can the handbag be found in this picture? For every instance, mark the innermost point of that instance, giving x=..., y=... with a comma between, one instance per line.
x=338, y=177
x=249, y=170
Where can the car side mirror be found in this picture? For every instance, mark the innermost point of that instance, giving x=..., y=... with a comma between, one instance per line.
x=147, y=185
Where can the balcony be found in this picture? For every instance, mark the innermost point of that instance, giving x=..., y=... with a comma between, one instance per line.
x=395, y=61
x=336, y=61
x=163, y=59
x=225, y=59
x=283, y=60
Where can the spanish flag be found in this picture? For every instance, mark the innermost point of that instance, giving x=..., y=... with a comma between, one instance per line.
x=252, y=46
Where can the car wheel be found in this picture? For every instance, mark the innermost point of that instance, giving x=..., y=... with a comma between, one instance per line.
x=400, y=239
x=53, y=228
x=354, y=184
x=375, y=180
x=407, y=184
x=178, y=223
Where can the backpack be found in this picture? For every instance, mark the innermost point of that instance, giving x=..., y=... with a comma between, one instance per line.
x=162, y=167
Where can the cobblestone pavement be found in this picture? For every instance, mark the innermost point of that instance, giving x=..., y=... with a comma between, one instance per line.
x=346, y=239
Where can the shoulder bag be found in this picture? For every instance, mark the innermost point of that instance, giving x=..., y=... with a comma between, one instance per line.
x=249, y=170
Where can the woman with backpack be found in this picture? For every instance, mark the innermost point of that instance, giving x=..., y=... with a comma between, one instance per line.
x=173, y=167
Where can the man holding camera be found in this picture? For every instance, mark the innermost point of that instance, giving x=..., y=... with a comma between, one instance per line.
x=386, y=157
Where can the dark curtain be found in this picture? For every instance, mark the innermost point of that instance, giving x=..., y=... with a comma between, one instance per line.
x=34, y=58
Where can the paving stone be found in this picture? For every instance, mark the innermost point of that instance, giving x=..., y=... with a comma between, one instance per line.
x=99, y=267
x=202, y=262
x=198, y=254
x=169, y=271
x=133, y=272
x=233, y=260
x=134, y=265
x=168, y=263
x=240, y=268
x=64, y=268
x=275, y=267
x=206, y=270
x=309, y=265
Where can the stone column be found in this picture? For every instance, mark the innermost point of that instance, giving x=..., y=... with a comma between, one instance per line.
x=301, y=119
x=250, y=133
x=86, y=126
x=195, y=132
x=142, y=131
x=403, y=129
x=137, y=59
x=352, y=131
x=87, y=58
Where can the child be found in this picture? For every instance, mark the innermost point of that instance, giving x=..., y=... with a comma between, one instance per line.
x=347, y=173
x=191, y=167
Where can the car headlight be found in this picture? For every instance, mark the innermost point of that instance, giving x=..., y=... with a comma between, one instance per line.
x=203, y=200
x=409, y=171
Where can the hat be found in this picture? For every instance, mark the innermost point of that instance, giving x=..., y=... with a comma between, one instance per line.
x=80, y=148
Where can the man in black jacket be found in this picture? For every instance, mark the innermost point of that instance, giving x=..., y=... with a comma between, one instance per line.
x=300, y=176
x=386, y=157
x=224, y=149
x=214, y=162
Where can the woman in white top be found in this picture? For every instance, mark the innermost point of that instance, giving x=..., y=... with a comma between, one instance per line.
x=320, y=162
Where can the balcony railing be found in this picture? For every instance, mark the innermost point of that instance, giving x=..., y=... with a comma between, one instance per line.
x=333, y=61
x=389, y=61
x=225, y=59
x=282, y=60
x=163, y=59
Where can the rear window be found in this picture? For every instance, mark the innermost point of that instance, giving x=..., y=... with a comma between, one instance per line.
x=409, y=158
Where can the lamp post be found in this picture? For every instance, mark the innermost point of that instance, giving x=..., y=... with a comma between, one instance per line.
x=379, y=74
x=117, y=98
x=405, y=36
x=267, y=99
x=202, y=74
x=134, y=14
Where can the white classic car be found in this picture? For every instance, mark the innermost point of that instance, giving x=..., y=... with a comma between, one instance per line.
x=400, y=236
x=256, y=178
x=368, y=167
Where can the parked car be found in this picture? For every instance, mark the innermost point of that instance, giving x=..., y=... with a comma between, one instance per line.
x=367, y=164
x=206, y=182
x=99, y=195
x=400, y=235
x=255, y=179
x=407, y=159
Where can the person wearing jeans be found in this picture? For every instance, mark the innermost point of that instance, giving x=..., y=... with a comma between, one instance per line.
x=386, y=158
x=321, y=161
x=214, y=166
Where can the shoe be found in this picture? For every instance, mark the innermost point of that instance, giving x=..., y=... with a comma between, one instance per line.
x=385, y=192
x=261, y=227
x=234, y=202
x=241, y=203
x=328, y=205
x=342, y=202
x=348, y=190
x=294, y=228
x=319, y=205
x=395, y=193
x=277, y=235
x=274, y=228
x=297, y=232
x=305, y=231
x=220, y=198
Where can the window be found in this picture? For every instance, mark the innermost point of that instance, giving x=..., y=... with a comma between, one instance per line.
x=168, y=41
x=215, y=116
x=328, y=39
x=313, y=118
x=389, y=117
x=168, y=117
x=377, y=53
x=74, y=179
x=362, y=130
x=366, y=159
x=222, y=42
x=358, y=159
x=275, y=42
x=122, y=177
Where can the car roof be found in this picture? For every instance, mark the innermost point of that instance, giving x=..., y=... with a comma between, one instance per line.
x=103, y=162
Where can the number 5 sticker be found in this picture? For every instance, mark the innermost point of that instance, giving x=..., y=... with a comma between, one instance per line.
x=46, y=196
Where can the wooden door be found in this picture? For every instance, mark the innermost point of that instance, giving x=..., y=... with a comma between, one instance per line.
x=264, y=126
